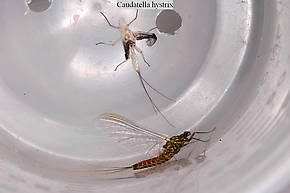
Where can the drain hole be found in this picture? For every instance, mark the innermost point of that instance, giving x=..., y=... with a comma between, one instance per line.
x=38, y=5
x=168, y=21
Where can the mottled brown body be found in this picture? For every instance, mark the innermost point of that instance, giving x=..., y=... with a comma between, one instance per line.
x=172, y=146
x=170, y=149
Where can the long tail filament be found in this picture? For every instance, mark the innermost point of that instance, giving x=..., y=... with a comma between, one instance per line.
x=156, y=109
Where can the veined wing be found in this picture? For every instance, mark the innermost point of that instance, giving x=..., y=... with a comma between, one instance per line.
x=129, y=133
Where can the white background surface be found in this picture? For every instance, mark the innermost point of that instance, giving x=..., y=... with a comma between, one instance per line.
x=228, y=67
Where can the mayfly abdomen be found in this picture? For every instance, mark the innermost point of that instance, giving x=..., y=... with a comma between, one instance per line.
x=150, y=162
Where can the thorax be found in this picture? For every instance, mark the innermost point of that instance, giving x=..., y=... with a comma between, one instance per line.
x=128, y=35
x=173, y=146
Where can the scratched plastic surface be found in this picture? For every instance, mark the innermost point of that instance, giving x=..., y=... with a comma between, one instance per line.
x=227, y=66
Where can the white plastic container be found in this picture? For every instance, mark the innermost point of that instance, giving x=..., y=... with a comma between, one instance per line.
x=227, y=66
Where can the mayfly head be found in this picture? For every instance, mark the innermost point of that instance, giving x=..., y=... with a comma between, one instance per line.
x=123, y=25
x=186, y=134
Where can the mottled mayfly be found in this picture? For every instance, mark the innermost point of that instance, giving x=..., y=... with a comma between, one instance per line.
x=129, y=39
x=126, y=131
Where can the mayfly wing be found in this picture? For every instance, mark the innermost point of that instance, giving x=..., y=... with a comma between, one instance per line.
x=126, y=46
x=120, y=120
x=130, y=134
x=151, y=38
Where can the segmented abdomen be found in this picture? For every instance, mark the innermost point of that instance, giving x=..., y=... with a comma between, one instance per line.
x=151, y=162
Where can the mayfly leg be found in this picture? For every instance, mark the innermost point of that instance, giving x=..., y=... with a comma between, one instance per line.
x=201, y=132
x=141, y=52
x=197, y=139
x=134, y=18
x=120, y=64
x=116, y=27
x=109, y=43
x=152, y=29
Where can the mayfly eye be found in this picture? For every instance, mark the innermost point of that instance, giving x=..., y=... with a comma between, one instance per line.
x=187, y=133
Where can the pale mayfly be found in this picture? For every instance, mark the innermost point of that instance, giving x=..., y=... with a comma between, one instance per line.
x=126, y=131
x=129, y=39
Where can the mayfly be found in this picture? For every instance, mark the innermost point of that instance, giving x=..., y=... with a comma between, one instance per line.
x=129, y=39
x=127, y=130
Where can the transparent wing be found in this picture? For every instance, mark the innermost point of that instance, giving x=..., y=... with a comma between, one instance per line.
x=130, y=134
